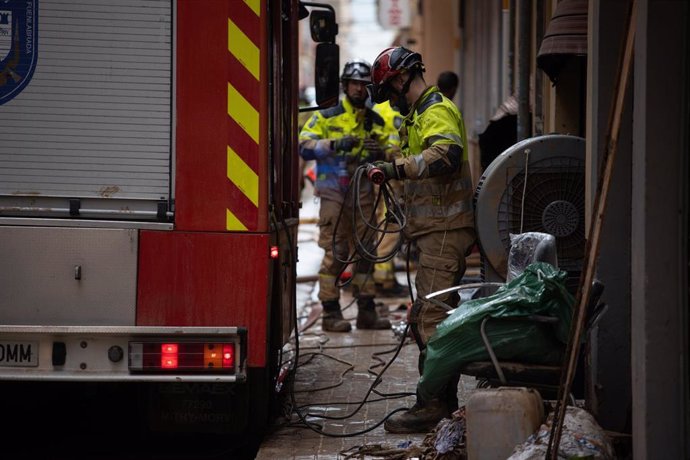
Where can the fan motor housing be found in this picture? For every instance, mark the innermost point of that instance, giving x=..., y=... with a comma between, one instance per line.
x=536, y=185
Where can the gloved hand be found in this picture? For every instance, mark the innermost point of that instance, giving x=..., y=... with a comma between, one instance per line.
x=373, y=148
x=345, y=144
x=388, y=168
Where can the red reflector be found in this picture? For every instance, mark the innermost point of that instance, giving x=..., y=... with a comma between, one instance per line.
x=228, y=355
x=274, y=252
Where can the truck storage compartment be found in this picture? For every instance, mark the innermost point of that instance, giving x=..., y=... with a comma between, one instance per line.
x=68, y=276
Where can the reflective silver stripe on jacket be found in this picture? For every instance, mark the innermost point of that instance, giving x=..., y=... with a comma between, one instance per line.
x=440, y=211
x=310, y=135
x=431, y=140
x=421, y=164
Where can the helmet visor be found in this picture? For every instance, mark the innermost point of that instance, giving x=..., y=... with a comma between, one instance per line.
x=356, y=71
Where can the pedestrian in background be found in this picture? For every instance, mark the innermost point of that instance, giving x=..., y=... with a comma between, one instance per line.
x=437, y=196
x=340, y=139
x=448, y=83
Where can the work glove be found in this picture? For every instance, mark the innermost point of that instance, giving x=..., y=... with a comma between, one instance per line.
x=373, y=148
x=345, y=144
x=388, y=168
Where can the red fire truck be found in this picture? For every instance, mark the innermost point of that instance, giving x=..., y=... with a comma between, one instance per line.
x=149, y=199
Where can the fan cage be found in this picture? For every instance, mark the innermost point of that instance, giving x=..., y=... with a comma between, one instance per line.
x=554, y=193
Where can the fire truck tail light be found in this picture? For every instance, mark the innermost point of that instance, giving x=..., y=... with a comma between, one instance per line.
x=274, y=252
x=169, y=355
x=157, y=357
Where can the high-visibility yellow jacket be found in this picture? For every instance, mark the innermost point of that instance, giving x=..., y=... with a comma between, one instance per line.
x=334, y=168
x=438, y=185
x=393, y=122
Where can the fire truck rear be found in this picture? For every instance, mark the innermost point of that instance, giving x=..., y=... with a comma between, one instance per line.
x=149, y=200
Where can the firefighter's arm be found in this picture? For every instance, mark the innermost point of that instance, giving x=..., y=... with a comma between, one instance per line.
x=444, y=148
x=314, y=149
x=376, y=146
x=382, y=143
x=437, y=160
x=312, y=144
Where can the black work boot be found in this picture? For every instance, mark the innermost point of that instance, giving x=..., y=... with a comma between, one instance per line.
x=367, y=317
x=420, y=418
x=332, y=320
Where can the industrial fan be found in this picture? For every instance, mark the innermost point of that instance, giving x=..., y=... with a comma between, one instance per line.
x=537, y=185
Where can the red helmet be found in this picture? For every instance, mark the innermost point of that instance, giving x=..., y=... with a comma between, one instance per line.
x=389, y=64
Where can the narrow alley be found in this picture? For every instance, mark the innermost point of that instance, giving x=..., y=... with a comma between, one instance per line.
x=335, y=390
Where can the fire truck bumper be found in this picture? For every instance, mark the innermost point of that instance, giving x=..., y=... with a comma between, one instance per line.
x=123, y=353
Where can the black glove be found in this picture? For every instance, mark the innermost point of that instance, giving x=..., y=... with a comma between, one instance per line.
x=373, y=148
x=388, y=169
x=345, y=144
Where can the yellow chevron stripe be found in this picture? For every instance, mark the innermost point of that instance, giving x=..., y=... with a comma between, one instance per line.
x=243, y=49
x=232, y=222
x=255, y=5
x=243, y=113
x=243, y=176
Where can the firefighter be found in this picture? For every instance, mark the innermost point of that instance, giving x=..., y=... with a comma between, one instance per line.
x=387, y=284
x=340, y=139
x=437, y=197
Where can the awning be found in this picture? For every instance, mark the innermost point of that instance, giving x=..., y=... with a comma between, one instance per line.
x=565, y=37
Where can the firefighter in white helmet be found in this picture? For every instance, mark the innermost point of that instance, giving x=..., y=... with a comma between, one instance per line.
x=437, y=196
x=340, y=139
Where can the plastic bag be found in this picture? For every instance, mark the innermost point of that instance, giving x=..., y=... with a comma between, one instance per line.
x=539, y=290
x=527, y=248
x=582, y=437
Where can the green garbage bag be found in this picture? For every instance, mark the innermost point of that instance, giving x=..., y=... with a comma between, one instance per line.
x=539, y=290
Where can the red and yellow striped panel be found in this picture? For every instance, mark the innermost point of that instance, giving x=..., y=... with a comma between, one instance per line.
x=221, y=116
x=244, y=46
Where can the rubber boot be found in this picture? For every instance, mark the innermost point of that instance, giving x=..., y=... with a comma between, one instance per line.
x=420, y=418
x=367, y=317
x=333, y=320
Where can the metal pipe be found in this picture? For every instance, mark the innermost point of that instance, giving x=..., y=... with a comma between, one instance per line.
x=490, y=350
x=524, y=41
x=511, y=47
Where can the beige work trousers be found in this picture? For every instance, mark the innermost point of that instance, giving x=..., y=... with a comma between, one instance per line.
x=441, y=265
x=331, y=265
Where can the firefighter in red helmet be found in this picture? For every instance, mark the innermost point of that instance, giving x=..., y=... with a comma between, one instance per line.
x=437, y=195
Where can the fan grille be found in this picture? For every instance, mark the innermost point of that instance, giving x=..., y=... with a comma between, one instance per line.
x=554, y=202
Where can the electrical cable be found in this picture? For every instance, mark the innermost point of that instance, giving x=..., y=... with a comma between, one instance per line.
x=524, y=191
x=350, y=367
x=366, y=245
x=362, y=244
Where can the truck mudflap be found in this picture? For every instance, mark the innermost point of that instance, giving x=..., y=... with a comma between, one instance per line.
x=123, y=353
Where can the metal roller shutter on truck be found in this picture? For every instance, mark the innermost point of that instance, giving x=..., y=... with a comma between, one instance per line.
x=92, y=128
